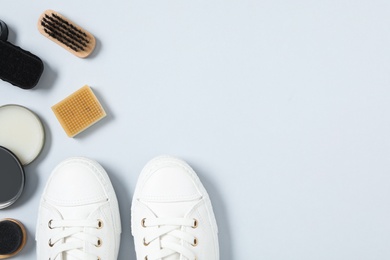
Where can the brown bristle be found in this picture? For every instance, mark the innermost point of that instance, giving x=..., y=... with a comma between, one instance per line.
x=78, y=111
x=66, y=33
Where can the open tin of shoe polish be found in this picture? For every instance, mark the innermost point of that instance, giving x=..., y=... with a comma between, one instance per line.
x=11, y=178
x=22, y=138
x=21, y=132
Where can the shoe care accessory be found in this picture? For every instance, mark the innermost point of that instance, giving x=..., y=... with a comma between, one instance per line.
x=78, y=214
x=12, y=237
x=11, y=178
x=22, y=132
x=17, y=66
x=171, y=214
x=66, y=33
x=78, y=111
x=22, y=138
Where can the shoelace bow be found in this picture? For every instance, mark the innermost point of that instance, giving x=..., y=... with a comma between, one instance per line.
x=170, y=227
x=74, y=229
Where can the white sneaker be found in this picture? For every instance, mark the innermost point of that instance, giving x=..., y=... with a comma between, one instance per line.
x=172, y=216
x=78, y=214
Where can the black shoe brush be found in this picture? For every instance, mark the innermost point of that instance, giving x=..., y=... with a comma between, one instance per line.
x=17, y=66
x=12, y=237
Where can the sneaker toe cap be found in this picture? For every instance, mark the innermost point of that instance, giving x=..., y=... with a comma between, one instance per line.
x=76, y=182
x=173, y=180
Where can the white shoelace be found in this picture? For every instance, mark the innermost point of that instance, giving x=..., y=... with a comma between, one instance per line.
x=73, y=229
x=170, y=227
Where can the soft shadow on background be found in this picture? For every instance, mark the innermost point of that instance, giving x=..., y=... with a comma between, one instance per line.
x=224, y=234
x=124, y=196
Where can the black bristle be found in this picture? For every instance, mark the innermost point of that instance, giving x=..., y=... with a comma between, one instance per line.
x=11, y=237
x=19, y=67
x=62, y=34
x=65, y=32
x=57, y=34
x=59, y=38
x=70, y=25
x=69, y=29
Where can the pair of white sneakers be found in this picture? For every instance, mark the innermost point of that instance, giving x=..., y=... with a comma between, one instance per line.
x=171, y=214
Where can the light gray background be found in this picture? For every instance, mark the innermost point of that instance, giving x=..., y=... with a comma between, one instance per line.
x=280, y=106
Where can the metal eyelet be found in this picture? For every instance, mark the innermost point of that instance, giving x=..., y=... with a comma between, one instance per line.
x=143, y=222
x=146, y=244
x=100, y=224
x=195, y=225
x=49, y=224
x=195, y=243
x=99, y=243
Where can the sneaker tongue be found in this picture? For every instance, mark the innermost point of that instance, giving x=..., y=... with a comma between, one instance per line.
x=79, y=213
x=76, y=213
x=171, y=209
x=173, y=257
x=68, y=257
x=171, y=240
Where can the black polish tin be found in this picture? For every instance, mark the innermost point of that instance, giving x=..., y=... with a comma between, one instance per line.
x=12, y=178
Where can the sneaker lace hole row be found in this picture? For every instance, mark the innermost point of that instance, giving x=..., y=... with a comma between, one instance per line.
x=194, y=225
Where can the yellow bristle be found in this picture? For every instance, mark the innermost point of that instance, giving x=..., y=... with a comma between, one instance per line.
x=78, y=111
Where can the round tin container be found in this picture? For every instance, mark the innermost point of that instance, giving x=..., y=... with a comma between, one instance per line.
x=11, y=178
x=21, y=132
